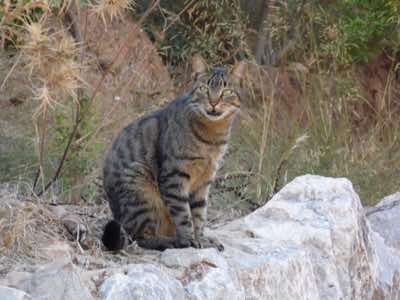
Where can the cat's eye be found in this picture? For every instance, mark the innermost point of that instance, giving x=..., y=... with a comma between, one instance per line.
x=229, y=93
x=203, y=88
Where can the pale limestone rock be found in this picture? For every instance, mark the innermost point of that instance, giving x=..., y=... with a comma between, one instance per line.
x=143, y=281
x=311, y=241
x=321, y=218
x=388, y=262
x=385, y=222
x=206, y=274
x=9, y=293
x=273, y=273
x=15, y=278
x=56, y=281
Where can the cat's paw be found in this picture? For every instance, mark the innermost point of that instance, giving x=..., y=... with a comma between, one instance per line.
x=186, y=243
x=209, y=242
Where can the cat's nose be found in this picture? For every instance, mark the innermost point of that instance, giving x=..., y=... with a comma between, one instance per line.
x=214, y=102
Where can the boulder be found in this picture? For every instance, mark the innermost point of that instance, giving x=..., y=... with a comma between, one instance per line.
x=311, y=241
x=8, y=293
x=385, y=222
x=315, y=240
x=142, y=281
x=204, y=273
x=55, y=281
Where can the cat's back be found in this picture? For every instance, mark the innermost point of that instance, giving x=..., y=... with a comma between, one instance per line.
x=139, y=141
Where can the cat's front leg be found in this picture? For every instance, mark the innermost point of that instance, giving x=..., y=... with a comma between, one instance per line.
x=198, y=207
x=176, y=199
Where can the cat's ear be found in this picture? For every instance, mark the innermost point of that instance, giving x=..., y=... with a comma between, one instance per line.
x=198, y=66
x=238, y=71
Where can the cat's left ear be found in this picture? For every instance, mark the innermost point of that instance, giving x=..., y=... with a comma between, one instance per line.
x=198, y=66
x=238, y=71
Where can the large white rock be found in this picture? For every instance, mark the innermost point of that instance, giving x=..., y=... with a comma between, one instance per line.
x=9, y=293
x=311, y=241
x=56, y=281
x=205, y=273
x=385, y=221
x=315, y=240
x=143, y=281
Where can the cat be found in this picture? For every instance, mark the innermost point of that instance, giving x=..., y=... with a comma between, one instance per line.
x=158, y=172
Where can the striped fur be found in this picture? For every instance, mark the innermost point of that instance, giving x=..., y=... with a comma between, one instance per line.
x=158, y=172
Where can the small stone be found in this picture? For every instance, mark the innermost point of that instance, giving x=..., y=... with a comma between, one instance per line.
x=57, y=251
x=75, y=227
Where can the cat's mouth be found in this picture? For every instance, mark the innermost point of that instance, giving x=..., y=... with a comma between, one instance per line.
x=214, y=113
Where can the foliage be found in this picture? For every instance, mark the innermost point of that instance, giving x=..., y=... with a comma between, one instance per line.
x=348, y=31
x=272, y=144
x=325, y=142
x=85, y=153
x=50, y=55
x=364, y=28
x=215, y=29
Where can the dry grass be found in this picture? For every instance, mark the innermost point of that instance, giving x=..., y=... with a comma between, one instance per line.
x=54, y=63
x=314, y=130
x=25, y=228
x=111, y=9
x=30, y=228
x=51, y=60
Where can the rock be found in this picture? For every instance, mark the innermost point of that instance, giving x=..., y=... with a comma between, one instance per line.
x=143, y=281
x=8, y=293
x=72, y=222
x=274, y=273
x=206, y=274
x=311, y=241
x=58, y=251
x=385, y=222
x=75, y=227
x=15, y=278
x=385, y=219
x=58, y=211
x=56, y=281
x=388, y=273
x=311, y=238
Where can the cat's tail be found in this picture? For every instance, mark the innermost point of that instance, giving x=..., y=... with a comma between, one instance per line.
x=114, y=237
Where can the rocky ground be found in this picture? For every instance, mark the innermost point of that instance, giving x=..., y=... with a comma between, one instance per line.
x=313, y=240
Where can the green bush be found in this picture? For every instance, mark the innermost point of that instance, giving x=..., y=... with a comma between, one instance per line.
x=364, y=28
x=215, y=29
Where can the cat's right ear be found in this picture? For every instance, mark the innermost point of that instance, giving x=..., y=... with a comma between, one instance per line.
x=198, y=66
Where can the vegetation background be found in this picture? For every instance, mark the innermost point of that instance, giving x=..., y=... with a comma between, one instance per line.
x=321, y=91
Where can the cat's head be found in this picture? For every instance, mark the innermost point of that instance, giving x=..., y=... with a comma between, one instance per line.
x=215, y=93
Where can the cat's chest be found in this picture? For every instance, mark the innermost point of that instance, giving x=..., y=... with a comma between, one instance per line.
x=202, y=171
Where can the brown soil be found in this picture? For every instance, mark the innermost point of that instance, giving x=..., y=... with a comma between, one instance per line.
x=380, y=81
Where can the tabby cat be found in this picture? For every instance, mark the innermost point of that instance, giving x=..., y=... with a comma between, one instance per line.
x=158, y=172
